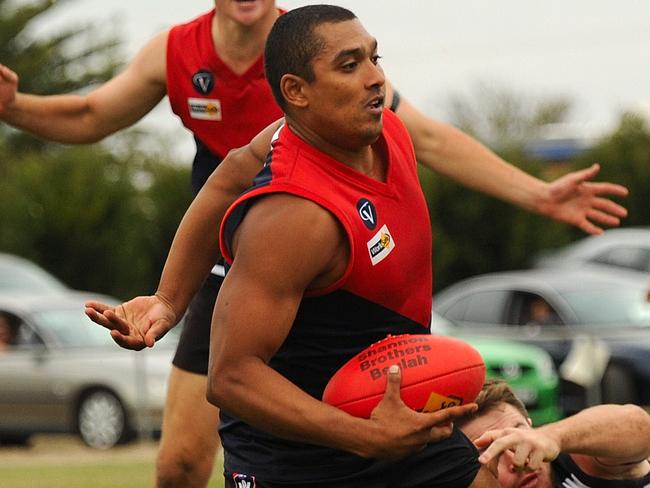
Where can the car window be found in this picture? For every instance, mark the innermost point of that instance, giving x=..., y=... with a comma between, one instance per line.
x=484, y=307
x=636, y=258
x=71, y=327
x=610, y=307
x=14, y=333
x=531, y=309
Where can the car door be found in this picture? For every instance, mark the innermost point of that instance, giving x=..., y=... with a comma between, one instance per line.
x=29, y=400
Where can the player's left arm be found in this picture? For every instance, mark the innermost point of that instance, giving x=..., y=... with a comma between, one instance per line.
x=605, y=440
x=573, y=198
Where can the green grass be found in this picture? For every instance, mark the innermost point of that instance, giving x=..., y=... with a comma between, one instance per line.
x=113, y=475
x=64, y=462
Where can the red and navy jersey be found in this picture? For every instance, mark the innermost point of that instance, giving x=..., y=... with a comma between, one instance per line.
x=386, y=288
x=222, y=109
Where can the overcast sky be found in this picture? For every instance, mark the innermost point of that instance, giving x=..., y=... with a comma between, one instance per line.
x=595, y=51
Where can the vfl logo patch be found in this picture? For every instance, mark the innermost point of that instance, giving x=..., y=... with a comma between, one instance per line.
x=438, y=402
x=381, y=245
x=243, y=480
x=204, y=108
x=203, y=81
x=367, y=213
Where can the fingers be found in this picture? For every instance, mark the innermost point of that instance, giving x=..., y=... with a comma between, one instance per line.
x=98, y=306
x=127, y=341
x=7, y=74
x=604, y=188
x=393, y=382
x=610, y=207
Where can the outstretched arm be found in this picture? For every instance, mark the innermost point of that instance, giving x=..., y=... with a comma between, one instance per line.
x=76, y=119
x=572, y=199
x=610, y=440
x=140, y=322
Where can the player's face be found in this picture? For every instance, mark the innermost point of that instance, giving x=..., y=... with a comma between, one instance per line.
x=245, y=12
x=502, y=417
x=346, y=98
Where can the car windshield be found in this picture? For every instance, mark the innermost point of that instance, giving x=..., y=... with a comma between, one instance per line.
x=608, y=307
x=26, y=278
x=72, y=328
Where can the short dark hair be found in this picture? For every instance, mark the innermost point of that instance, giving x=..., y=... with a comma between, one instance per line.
x=292, y=45
x=493, y=394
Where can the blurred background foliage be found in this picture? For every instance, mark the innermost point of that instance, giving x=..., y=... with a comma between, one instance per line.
x=102, y=218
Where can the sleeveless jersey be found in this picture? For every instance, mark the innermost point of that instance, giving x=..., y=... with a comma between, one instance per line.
x=567, y=474
x=386, y=289
x=222, y=109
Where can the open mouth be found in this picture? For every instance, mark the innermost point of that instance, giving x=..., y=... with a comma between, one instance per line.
x=376, y=103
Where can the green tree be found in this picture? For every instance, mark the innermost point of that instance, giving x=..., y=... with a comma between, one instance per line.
x=474, y=233
x=625, y=158
x=98, y=218
x=75, y=58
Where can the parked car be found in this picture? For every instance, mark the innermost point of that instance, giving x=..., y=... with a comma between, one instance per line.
x=528, y=369
x=64, y=374
x=19, y=274
x=625, y=248
x=602, y=317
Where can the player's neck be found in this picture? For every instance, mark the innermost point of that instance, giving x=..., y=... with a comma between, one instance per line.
x=239, y=46
x=369, y=160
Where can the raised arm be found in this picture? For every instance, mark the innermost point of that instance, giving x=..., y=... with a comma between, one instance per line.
x=195, y=248
x=140, y=322
x=605, y=440
x=75, y=119
x=572, y=199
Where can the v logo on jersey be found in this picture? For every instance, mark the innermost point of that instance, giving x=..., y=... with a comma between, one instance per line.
x=203, y=81
x=243, y=480
x=367, y=213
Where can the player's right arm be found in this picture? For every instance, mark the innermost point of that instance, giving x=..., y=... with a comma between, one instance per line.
x=86, y=118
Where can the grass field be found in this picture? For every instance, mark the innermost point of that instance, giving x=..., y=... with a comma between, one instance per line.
x=64, y=462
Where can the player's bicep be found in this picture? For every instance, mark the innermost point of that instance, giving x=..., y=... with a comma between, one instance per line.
x=283, y=245
x=135, y=91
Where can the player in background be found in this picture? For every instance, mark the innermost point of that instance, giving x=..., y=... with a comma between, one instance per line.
x=606, y=446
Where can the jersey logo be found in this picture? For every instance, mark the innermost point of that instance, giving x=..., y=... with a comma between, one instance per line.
x=438, y=402
x=381, y=245
x=243, y=480
x=203, y=81
x=367, y=213
x=204, y=108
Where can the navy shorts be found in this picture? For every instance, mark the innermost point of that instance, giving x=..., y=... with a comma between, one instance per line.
x=452, y=463
x=193, y=349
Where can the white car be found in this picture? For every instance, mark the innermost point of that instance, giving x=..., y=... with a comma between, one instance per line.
x=626, y=248
x=63, y=373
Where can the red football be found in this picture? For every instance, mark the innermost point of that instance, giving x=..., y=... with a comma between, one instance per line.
x=437, y=372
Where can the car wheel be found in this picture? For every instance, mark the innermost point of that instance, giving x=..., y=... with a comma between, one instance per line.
x=618, y=385
x=101, y=420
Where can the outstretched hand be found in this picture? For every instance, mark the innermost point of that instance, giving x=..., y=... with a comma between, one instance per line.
x=530, y=448
x=135, y=324
x=405, y=431
x=576, y=200
x=8, y=87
